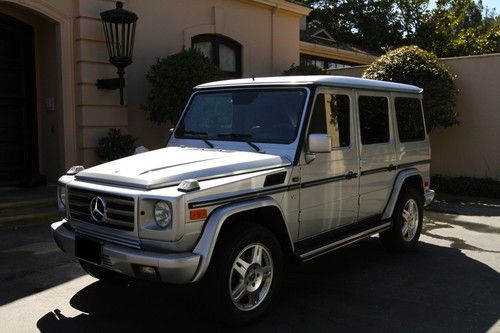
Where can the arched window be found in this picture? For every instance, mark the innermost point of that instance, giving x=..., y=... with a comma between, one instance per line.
x=223, y=52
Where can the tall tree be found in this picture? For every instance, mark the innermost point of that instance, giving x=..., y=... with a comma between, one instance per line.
x=451, y=28
x=375, y=25
x=459, y=27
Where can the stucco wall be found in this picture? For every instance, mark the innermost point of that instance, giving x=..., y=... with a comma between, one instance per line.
x=269, y=39
x=470, y=149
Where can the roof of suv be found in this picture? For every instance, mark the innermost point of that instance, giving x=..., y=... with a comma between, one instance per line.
x=325, y=80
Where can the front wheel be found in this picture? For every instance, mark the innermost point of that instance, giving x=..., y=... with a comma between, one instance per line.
x=407, y=220
x=245, y=274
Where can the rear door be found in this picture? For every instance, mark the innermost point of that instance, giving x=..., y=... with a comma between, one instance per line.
x=377, y=152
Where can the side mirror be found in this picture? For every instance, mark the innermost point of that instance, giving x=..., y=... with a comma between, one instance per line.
x=319, y=143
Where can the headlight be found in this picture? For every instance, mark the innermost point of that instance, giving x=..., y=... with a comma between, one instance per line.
x=163, y=214
x=61, y=196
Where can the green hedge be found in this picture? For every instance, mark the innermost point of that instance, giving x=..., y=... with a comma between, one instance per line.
x=482, y=187
x=115, y=145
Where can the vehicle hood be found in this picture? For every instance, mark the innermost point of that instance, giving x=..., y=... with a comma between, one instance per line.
x=171, y=165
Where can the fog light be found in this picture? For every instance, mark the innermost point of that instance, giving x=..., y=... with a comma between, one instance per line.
x=146, y=272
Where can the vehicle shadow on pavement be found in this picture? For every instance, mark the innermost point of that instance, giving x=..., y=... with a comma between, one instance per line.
x=358, y=288
x=25, y=254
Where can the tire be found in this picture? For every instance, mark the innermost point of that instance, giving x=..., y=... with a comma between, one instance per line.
x=407, y=220
x=102, y=274
x=237, y=270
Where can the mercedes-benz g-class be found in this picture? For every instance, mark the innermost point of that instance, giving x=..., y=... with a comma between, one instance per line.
x=255, y=171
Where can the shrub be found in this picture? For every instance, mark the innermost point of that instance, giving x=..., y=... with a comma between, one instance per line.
x=304, y=70
x=172, y=79
x=115, y=145
x=412, y=65
x=467, y=186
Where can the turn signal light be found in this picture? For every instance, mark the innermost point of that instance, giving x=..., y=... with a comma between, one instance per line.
x=198, y=214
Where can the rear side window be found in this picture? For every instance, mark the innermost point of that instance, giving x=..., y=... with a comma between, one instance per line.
x=373, y=119
x=410, y=119
x=331, y=114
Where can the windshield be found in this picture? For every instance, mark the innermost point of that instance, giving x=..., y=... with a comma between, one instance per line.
x=270, y=115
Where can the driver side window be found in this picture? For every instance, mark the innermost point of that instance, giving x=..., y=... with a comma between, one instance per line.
x=331, y=114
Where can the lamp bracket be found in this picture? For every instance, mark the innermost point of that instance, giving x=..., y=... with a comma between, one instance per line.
x=111, y=84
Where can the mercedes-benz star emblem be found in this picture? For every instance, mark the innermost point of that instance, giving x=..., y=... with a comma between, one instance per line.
x=98, y=209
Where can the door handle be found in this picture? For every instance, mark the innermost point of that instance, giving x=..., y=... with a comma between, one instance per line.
x=351, y=175
x=391, y=167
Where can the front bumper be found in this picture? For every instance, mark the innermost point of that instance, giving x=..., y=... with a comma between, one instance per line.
x=429, y=196
x=170, y=267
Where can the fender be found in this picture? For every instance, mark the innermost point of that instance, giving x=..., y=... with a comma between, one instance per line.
x=213, y=226
x=398, y=184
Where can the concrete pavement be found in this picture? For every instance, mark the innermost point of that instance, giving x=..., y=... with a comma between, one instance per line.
x=451, y=283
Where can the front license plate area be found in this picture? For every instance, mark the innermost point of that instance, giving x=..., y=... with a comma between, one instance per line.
x=88, y=250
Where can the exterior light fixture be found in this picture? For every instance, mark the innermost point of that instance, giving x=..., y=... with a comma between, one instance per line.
x=119, y=29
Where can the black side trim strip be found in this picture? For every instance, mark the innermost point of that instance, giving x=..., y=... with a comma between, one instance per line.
x=322, y=181
x=317, y=182
x=307, y=245
x=393, y=167
x=252, y=195
x=406, y=165
x=372, y=171
x=244, y=196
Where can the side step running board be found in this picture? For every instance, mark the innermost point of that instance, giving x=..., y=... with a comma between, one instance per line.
x=324, y=243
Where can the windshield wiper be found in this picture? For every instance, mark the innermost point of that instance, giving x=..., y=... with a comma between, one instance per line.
x=242, y=137
x=198, y=135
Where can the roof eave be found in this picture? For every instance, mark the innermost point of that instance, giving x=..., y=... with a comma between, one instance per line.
x=336, y=53
x=285, y=5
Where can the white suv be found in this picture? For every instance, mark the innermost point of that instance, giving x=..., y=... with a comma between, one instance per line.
x=256, y=171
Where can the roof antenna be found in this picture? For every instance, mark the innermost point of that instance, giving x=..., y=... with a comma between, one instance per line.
x=253, y=77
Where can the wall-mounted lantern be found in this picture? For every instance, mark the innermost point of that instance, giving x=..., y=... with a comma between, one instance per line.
x=119, y=29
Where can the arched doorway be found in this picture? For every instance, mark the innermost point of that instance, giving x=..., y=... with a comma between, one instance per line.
x=18, y=108
x=45, y=140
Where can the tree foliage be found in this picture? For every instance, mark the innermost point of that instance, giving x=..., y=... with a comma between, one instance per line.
x=459, y=27
x=172, y=79
x=412, y=65
x=451, y=28
x=304, y=70
x=374, y=25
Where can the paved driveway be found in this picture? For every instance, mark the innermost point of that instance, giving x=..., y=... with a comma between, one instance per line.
x=451, y=283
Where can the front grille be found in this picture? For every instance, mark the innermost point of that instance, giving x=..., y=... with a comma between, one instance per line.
x=119, y=209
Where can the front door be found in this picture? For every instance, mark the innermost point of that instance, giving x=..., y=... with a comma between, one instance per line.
x=18, y=124
x=329, y=190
